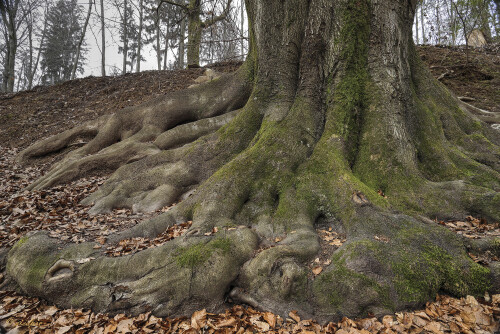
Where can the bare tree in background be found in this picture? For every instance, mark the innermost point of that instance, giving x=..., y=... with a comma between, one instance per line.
x=31, y=61
x=469, y=13
x=64, y=27
x=162, y=24
x=103, y=41
x=139, y=37
x=194, y=13
x=13, y=13
x=221, y=41
x=80, y=42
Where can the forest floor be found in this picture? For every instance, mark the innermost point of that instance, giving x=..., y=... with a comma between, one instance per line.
x=43, y=111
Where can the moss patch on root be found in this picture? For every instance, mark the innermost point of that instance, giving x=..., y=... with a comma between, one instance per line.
x=408, y=269
x=197, y=254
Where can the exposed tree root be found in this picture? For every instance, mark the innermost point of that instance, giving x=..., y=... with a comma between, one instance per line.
x=138, y=132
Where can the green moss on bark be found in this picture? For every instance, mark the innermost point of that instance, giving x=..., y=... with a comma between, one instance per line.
x=350, y=96
x=419, y=277
x=336, y=287
x=197, y=254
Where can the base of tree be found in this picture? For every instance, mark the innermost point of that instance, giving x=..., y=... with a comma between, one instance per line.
x=373, y=149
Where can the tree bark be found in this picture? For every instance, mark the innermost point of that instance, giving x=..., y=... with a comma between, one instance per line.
x=331, y=122
x=438, y=23
x=194, y=33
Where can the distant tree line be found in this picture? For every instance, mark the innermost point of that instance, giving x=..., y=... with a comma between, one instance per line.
x=46, y=41
x=450, y=22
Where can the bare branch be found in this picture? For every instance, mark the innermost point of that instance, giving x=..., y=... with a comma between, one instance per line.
x=183, y=6
x=218, y=18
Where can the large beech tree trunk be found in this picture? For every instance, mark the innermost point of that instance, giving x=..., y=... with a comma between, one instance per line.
x=331, y=109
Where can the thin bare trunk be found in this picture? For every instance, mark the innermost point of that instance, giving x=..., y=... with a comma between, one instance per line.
x=181, y=43
x=453, y=24
x=139, y=42
x=165, y=56
x=194, y=33
x=422, y=22
x=125, y=37
x=80, y=42
x=44, y=32
x=438, y=23
x=103, y=42
x=158, y=32
x=8, y=11
x=417, y=41
x=29, y=72
x=21, y=72
x=242, y=27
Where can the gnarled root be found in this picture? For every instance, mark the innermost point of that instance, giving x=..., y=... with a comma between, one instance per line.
x=176, y=278
x=145, y=130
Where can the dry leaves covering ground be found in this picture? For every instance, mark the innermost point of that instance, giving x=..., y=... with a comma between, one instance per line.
x=445, y=315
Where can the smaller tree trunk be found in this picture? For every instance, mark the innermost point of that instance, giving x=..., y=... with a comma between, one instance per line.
x=242, y=30
x=139, y=39
x=11, y=62
x=158, y=50
x=21, y=72
x=103, y=42
x=125, y=37
x=417, y=41
x=422, y=22
x=165, y=55
x=80, y=42
x=30, y=72
x=8, y=11
x=181, y=43
x=438, y=23
x=453, y=24
x=194, y=36
x=44, y=32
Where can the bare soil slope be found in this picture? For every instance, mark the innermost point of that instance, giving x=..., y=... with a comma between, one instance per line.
x=47, y=110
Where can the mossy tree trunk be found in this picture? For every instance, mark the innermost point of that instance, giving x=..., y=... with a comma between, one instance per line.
x=331, y=109
x=194, y=33
x=193, y=11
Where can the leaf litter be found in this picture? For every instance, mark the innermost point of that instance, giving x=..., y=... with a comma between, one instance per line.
x=444, y=315
x=57, y=210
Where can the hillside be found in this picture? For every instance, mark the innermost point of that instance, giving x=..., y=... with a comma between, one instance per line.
x=47, y=110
